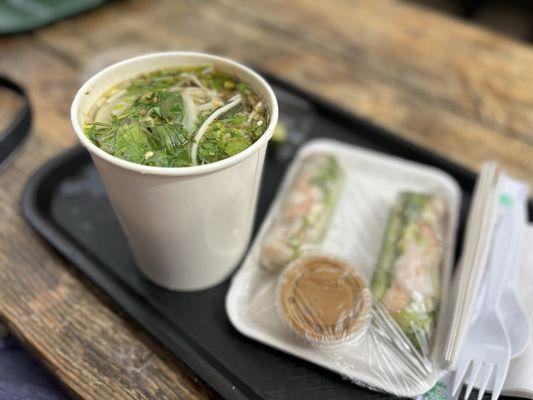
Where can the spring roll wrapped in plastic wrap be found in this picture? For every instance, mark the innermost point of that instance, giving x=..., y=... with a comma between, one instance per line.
x=408, y=274
x=305, y=211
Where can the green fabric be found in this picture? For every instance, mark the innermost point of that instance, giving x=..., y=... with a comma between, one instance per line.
x=24, y=15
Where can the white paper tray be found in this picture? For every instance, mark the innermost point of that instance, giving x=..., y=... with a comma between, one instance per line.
x=373, y=180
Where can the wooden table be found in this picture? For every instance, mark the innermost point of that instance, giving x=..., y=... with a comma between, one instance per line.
x=463, y=92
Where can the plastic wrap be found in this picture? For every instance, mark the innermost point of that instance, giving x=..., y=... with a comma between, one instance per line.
x=324, y=300
x=407, y=279
x=362, y=297
x=305, y=211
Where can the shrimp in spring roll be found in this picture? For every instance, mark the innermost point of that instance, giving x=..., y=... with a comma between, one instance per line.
x=305, y=211
x=408, y=274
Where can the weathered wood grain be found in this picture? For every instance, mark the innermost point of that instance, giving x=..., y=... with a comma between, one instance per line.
x=460, y=91
x=96, y=351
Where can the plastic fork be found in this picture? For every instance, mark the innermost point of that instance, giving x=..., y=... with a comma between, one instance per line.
x=486, y=350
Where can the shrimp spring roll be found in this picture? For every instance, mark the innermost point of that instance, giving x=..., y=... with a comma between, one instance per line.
x=408, y=274
x=305, y=211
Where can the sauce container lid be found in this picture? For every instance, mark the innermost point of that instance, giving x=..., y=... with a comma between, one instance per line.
x=323, y=299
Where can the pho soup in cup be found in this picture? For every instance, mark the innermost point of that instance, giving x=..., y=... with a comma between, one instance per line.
x=179, y=141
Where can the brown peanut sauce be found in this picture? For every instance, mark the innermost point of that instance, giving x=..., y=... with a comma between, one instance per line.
x=323, y=299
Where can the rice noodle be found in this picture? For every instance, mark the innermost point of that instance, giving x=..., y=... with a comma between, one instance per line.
x=208, y=70
x=205, y=107
x=108, y=108
x=251, y=116
x=234, y=101
x=116, y=95
x=254, y=112
x=195, y=91
x=197, y=82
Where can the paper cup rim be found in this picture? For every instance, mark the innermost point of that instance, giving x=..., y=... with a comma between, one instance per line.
x=175, y=171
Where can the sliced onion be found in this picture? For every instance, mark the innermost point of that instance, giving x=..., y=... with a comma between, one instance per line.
x=189, y=112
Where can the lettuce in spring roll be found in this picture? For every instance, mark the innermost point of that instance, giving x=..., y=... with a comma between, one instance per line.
x=408, y=274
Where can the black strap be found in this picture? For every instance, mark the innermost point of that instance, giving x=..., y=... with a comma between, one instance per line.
x=19, y=128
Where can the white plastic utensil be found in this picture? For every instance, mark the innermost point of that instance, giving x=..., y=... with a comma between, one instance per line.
x=514, y=316
x=486, y=349
x=513, y=197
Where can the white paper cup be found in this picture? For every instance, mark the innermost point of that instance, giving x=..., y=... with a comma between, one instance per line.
x=188, y=227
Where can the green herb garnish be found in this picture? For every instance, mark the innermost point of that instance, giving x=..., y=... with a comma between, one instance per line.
x=178, y=117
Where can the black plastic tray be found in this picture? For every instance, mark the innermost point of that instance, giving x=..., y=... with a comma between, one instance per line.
x=66, y=202
x=18, y=129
